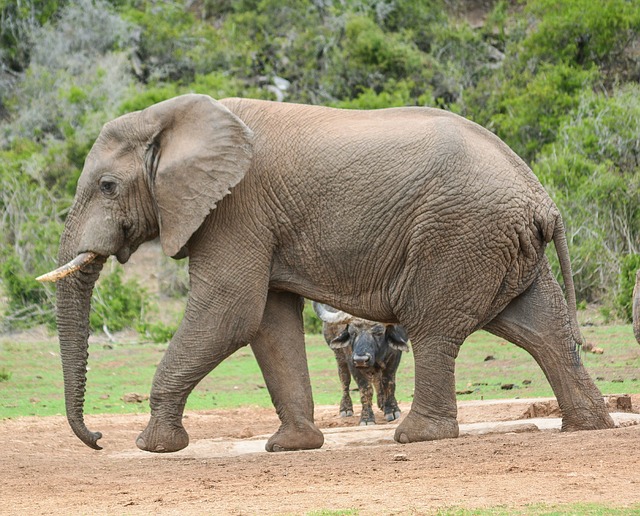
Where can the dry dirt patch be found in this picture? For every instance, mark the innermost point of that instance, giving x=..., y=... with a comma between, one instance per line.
x=46, y=470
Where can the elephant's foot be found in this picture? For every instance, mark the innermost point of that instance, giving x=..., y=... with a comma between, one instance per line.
x=596, y=420
x=416, y=428
x=162, y=437
x=289, y=438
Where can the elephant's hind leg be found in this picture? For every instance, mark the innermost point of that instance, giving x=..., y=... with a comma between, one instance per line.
x=538, y=321
x=433, y=411
x=280, y=351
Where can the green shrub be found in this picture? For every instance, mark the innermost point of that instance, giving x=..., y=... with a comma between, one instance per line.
x=29, y=231
x=399, y=95
x=370, y=58
x=5, y=375
x=117, y=304
x=581, y=32
x=157, y=332
x=312, y=324
x=626, y=282
x=534, y=106
x=173, y=44
x=591, y=172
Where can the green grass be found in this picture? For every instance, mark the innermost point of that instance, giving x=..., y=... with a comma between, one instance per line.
x=31, y=379
x=576, y=509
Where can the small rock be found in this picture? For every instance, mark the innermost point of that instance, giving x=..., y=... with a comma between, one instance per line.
x=542, y=409
x=134, y=397
x=400, y=457
x=526, y=382
x=507, y=386
x=619, y=403
x=489, y=357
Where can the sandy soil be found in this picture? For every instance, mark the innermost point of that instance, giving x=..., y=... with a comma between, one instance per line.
x=46, y=470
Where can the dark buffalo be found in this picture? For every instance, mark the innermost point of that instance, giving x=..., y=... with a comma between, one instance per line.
x=370, y=352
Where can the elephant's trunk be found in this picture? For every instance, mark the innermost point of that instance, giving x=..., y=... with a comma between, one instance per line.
x=636, y=307
x=73, y=297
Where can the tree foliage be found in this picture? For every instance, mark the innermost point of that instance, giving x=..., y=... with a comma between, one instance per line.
x=556, y=79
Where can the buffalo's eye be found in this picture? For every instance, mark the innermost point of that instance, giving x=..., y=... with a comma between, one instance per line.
x=108, y=187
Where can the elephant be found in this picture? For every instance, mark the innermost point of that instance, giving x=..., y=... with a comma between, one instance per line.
x=413, y=215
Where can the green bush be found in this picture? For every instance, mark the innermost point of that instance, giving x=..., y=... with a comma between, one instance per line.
x=5, y=375
x=591, y=171
x=118, y=304
x=312, y=324
x=626, y=282
x=157, y=332
x=173, y=44
x=534, y=106
x=582, y=32
x=29, y=231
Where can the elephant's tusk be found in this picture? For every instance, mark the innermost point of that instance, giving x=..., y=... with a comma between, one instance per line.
x=69, y=268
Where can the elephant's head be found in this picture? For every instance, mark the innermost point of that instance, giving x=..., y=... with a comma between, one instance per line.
x=154, y=172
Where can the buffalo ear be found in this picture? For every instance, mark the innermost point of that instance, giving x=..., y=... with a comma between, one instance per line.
x=397, y=337
x=197, y=152
x=341, y=341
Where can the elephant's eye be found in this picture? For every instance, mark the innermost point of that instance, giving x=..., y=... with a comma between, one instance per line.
x=108, y=187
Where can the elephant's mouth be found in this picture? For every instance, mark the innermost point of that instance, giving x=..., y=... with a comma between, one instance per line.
x=124, y=254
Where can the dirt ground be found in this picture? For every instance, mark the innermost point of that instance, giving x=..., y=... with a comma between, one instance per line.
x=45, y=469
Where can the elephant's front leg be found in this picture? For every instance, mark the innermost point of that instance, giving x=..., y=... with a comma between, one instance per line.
x=195, y=350
x=433, y=411
x=213, y=327
x=279, y=348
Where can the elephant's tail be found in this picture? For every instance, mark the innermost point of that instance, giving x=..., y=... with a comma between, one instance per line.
x=562, y=250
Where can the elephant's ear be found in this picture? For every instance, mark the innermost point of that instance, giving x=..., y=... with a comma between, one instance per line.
x=199, y=150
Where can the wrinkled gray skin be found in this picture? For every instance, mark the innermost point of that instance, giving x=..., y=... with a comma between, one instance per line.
x=370, y=352
x=374, y=212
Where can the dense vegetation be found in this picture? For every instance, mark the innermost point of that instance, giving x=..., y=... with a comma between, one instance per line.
x=558, y=80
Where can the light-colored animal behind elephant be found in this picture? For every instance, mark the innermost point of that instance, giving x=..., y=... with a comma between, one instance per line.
x=412, y=215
